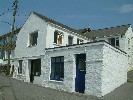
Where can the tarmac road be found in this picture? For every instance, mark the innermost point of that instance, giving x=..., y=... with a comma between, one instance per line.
x=12, y=89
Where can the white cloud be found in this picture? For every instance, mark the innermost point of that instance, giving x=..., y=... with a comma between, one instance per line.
x=126, y=8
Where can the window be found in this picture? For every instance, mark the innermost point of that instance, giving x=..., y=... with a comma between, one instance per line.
x=14, y=37
x=20, y=67
x=6, y=54
x=114, y=41
x=58, y=37
x=57, y=68
x=55, y=36
x=36, y=67
x=12, y=54
x=33, y=38
x=0, y=42
x=8, y=39
x=4, y=40
x=79, y=41
x=70, y=40
x=2, y=56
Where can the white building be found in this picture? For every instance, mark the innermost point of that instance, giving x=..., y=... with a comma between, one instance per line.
x=56, y=56
x=5, y=41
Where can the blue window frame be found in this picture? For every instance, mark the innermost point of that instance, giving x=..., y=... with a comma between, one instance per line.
x=57, y=68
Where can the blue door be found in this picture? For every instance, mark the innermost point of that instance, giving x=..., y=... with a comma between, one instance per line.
x=80, y=73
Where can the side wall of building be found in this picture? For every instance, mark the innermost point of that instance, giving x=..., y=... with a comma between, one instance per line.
x=114, y=71
x=33, y=23
x=129, y=47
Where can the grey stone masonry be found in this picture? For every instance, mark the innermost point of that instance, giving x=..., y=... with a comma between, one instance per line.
x=106, y=68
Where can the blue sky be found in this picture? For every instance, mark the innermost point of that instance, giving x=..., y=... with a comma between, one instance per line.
x=95, y=14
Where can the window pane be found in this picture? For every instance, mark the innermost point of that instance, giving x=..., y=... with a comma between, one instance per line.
x=52, y=71
x=53, y=60
x=58, y=59
x=57, y=68
x=81, y=41
x=37, y=67
x=62, y=70
x=55, y=36
x=33, y=38
x=77, y=41
x=117, y=42
x=59, y=39
x=62, y=59
x=57, y=72
x=20, y=67
x=70, y=40
x=82, y=64
x=113, y=41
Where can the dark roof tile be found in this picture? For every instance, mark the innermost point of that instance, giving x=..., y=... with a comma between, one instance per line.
x=113, y=31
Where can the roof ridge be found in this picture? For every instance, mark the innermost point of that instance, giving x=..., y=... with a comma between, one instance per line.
x=47, y=19
x=112, y=27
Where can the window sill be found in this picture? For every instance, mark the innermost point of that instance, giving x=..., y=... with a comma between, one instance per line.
x=31, y=46
x=55, y=81
x=19, y=74
x=57, y=44
x=37, y=75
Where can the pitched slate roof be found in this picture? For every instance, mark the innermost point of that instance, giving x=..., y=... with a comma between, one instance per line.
x=107, y=32
x=87, y=33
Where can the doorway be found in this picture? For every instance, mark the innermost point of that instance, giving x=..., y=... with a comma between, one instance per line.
x=80, y=73
x=35, y=69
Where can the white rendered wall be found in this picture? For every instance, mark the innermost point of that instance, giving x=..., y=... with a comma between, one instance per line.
x=45, y=40
x=50, y=36
x=94, y=64
x=102, y=60
x=129, y=47
x=68, y=84
x=32, y=24
x=114, y=70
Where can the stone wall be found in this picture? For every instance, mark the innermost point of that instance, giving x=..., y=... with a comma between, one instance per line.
x=106, y=68
x=114, y=69
x=94, y=64
x=93, y=52
x=68, y=84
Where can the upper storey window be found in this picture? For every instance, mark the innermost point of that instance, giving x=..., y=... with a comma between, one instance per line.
x=114, y=42
x=79, y=41
x=33, y=38
x=70, y=40
x=58, y=37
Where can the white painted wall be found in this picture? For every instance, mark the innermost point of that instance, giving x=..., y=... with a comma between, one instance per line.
x=68, y=83
x=32, y=24
x=96, y=58
x=124, y=45
x=45, y=40
x=129, y=47
x=114, y=70
x=50, y=36
x=102, y=60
